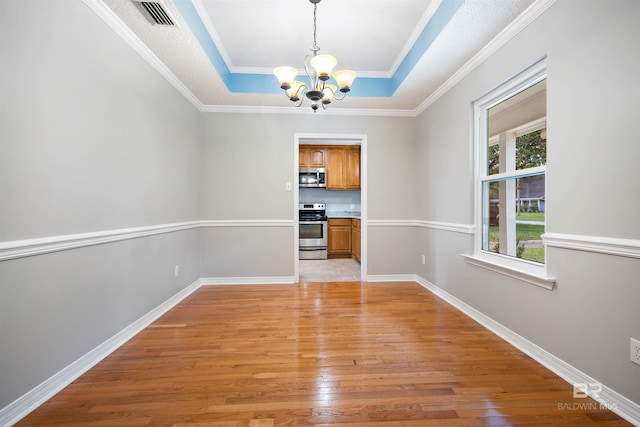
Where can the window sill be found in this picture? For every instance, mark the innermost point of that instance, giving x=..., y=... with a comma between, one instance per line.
x=525, y=276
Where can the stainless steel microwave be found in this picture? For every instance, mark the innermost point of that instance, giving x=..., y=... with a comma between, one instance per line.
x=312, y=177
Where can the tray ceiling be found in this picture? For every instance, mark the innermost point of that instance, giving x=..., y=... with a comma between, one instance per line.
x=221, y=53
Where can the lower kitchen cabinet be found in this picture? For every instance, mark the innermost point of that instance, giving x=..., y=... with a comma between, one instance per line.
x=355, y=238
x=339, y=238
x=344, y=238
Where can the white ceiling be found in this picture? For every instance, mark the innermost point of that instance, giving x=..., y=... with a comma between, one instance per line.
x=367, y=35
x=371, y=37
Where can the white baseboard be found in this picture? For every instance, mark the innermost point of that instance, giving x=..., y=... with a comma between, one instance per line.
x=265, y=280
x=611, y=399
x=35, y=397
x=392, y=278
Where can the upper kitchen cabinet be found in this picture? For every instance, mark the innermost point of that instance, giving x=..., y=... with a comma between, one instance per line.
x=336, y=164
x=312, y=156
x=353, y=167
x=343, y=167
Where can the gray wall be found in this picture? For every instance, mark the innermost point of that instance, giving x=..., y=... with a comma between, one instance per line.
x=593, y=183
x=248, y=159
x=91, y=139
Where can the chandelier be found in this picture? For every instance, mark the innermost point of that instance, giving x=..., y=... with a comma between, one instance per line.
x=318, y=69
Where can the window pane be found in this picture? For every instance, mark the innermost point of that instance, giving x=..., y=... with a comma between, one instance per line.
x=516, y=138
x=530, y=152
x=514, y=217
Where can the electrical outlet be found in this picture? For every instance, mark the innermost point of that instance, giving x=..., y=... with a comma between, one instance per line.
x=635, y=351
x=287, y=186
x=424, y=260
x=176, y=271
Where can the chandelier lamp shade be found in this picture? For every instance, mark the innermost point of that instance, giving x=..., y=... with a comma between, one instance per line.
x=318, y=69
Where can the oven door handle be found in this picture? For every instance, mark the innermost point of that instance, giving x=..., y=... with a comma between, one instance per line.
x=311, y=222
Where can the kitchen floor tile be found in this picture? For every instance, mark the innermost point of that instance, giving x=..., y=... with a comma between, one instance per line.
x=329, y=270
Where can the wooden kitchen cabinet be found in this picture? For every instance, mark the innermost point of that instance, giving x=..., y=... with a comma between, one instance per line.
x=343, y=167
x=353, y=168
x=336, y=164
x=355, y=238
x=339, y=238
x=342, y=163
x=312, y=156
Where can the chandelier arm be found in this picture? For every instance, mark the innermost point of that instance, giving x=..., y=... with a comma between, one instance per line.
x=299, y=96
x=300, y=92
x=344, y=95
x=299, y=102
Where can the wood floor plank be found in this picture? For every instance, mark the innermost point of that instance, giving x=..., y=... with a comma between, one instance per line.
x=318, y=354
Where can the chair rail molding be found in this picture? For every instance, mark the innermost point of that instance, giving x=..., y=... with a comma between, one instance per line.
x=43, y=245
x=602, y=245
x=436, y=225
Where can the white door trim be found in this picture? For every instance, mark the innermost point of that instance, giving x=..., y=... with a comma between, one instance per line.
x=328, y=139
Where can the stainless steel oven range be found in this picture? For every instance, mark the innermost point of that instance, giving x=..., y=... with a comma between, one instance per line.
x=312, y=219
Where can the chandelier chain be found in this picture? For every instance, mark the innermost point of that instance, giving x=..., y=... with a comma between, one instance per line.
x=315, y=47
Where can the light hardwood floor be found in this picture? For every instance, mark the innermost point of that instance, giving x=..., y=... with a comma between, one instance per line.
x=348, y=354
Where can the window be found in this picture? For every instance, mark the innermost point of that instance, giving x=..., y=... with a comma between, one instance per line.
x=511, y=156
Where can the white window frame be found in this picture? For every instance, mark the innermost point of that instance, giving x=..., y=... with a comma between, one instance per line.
x=527, y=271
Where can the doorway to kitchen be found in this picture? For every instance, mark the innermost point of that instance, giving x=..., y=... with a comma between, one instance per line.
x=346, y=208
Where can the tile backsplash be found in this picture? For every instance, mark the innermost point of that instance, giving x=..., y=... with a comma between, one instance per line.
x=339, y=203
x=331, y=197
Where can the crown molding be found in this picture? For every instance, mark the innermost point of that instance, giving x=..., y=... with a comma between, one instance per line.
x=308, y=111
x=215, y=38
x=521, y=22
x=422, y=23
x=302, y=72
x=116, y=24
x=113, y=21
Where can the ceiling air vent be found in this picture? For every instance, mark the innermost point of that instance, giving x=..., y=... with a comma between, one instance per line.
x=155, y=12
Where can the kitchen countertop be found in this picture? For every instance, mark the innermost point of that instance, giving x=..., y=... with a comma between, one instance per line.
x=344, y=214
